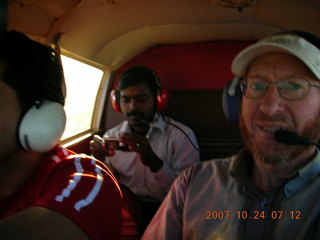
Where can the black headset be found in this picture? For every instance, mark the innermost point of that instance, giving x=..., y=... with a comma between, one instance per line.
x=231, y=100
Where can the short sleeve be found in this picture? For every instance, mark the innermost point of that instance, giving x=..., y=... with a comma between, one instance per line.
x=84, y=190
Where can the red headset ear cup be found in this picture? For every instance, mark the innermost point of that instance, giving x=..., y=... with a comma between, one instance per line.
x=115, y=101
x=162, y=99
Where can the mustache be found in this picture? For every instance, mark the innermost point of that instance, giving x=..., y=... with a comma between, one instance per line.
x=135, y=113
x=273, y=118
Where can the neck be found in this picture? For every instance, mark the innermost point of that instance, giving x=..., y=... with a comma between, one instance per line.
x=266, y=179
x=267, y=176
x=140, y=130
x=16, y=169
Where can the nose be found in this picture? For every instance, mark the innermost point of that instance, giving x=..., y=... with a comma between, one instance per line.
x=272, y=102
x=132, y=105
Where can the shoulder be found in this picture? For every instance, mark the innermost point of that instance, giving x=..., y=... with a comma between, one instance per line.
x=175, y=125
x=116, y=130
x=198, y=181
x=79, y=173
x=84, y=168
x=79, y=187
x=204, y=171
x=82, y=171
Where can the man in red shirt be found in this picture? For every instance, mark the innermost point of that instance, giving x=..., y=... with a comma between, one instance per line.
x=46, y=191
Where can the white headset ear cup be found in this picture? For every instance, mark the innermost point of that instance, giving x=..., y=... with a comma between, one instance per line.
x=41, y=128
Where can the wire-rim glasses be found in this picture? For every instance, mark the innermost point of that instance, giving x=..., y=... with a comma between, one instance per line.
x=292, y=88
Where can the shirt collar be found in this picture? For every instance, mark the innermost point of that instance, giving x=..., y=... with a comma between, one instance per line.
x=241, y=171
x=158, y=122
x=125, y=128
x=243, y=166
x=303, y=175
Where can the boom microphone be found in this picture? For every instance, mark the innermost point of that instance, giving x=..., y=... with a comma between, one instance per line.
x=292, y=138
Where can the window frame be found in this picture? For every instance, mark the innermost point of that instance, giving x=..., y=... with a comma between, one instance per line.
x=99, y=103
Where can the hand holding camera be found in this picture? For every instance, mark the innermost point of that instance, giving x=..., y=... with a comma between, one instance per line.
x=115, y=144
x=100, y=148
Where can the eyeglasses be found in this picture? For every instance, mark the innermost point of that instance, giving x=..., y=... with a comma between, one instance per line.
x=292, y=89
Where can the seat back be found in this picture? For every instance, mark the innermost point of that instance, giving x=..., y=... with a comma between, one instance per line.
x=131, y=215
x=202, y=111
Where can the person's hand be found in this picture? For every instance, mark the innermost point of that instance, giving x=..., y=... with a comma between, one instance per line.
x=99, y=149
x=140, y=144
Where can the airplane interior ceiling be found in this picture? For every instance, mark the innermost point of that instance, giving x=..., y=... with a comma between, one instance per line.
x=110, y=32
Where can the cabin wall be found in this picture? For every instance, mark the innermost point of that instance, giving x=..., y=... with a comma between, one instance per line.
x=193, y=66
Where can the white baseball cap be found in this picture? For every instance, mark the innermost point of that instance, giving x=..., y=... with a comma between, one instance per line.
x=288, y=43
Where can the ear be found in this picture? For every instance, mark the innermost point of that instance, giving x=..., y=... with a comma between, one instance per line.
x=41, y=127
x=231, y=100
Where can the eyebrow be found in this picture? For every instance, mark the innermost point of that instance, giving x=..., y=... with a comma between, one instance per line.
x=134, y=96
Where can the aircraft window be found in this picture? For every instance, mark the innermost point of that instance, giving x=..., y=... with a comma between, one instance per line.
x=82, y=81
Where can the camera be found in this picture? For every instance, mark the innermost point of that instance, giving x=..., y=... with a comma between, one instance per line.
x=116, y=144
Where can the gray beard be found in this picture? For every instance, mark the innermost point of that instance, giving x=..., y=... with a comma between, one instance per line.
x=284, y=155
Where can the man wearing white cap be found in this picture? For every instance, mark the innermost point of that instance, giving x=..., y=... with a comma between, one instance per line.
x=271, y=189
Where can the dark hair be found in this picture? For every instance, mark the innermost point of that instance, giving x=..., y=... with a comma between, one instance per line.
x=139, y=75
x=3, y=16
x=32, y=69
